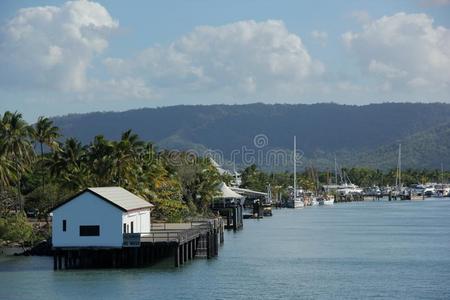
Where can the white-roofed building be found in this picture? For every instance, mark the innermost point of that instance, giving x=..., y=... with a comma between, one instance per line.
x=227, y=194
x=229, y=205
x=98, y=217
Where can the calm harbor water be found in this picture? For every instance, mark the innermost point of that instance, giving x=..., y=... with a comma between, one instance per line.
x=395, y=250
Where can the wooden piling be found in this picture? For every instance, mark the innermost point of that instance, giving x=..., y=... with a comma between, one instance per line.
x=177, y=256
x=55, y=263
x=59, y=261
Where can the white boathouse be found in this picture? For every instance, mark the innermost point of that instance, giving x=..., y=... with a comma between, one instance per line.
x=99, y=217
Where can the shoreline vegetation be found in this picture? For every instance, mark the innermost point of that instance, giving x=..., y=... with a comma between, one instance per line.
x=39, y=168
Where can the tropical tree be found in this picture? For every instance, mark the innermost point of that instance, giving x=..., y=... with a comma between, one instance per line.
x=100, y=160
x=68, y=165
x=44, y=133
x=8, y=174
x=125, y=158
x=16, y=146
x=199, y=180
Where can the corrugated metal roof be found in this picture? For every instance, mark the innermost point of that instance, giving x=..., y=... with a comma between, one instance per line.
x=121, y=197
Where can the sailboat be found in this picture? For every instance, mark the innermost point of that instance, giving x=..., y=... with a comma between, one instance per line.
x=400, y=191
x=297, y=202
x=398, y=176
x=346, y=187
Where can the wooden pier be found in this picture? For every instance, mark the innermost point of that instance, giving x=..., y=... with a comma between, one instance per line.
x=348, y=198
x=182, y=241
x=232, y=213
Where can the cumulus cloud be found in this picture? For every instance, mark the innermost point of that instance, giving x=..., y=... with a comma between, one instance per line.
x=52, y=47
x=245, y=57
x=404, y=51
x=320, y=36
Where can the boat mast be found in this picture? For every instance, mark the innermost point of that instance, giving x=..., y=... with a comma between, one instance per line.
x=335, y=169
x=295, y=168
x=398, y=180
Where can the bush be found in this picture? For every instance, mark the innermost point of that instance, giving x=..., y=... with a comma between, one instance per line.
x=15, y=229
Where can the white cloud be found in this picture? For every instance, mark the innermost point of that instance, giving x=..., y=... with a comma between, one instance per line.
x=245, y=58
x=361, y=16
x=428, y=3
x=320, y=36
x=53, y=47
x=404, y=51
x=385, y=70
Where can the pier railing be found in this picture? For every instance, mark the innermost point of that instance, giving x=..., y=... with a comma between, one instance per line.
x=171, y=232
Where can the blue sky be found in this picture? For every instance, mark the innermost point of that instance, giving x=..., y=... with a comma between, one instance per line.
x=58, y=57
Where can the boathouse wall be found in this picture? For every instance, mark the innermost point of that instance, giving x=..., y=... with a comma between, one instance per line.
x=139, y=221
x=87, y=210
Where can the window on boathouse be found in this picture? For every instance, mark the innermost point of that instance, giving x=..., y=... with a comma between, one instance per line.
x=64, y=225
x=90, y=230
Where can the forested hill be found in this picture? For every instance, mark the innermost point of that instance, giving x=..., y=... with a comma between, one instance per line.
x=358, y=134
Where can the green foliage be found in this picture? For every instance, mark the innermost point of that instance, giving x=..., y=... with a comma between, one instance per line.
x=170, y=210
x=365, y=135
x=198, y=179
x=15, y=228
x=255, y=179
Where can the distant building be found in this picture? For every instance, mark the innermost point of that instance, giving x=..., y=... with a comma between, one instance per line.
x=98, y=217
x=237, y=180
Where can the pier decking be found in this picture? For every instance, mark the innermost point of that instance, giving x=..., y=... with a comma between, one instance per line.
x=184, y=241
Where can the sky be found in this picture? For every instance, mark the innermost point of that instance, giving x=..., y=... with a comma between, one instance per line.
x=59, y=57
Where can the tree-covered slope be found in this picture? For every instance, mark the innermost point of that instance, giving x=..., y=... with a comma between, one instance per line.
x=321, y=129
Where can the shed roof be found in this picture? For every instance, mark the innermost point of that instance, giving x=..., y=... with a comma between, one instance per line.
x=227, y=193
x=117, y=196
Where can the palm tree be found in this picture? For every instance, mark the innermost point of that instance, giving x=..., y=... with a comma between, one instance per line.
x=15, y=137
x=99, y=157
x=68, y=165
x=126, y=157
x=8, y=174
x=45, y=133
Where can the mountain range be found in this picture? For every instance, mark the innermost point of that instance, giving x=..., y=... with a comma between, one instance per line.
x=366, y=135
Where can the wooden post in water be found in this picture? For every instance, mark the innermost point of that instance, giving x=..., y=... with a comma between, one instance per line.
x=176, y=256
x=234, y=218
x=216, y=242
x=59, y=260
x=181, y=254
x=208, y=245
x=186, y=251
x=55, y=262
x=195, y=246
x=66, y=256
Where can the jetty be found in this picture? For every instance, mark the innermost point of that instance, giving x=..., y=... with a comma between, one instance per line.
x=182, y=241
x=111, y=227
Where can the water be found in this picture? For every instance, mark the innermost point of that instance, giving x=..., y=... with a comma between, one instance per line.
x=395, y=250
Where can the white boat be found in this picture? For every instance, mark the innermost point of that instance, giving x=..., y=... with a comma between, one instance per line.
x=348, y=189
x=328, y=201
x=314, y=202
x=298, y=203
